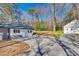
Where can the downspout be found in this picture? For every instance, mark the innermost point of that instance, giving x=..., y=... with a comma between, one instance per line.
x=9, y=38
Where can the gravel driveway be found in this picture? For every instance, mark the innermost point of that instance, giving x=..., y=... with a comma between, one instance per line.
x=51, y=46
x=44, y=46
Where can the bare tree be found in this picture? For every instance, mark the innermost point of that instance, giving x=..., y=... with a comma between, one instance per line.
x=75, y=10
x=54, y=20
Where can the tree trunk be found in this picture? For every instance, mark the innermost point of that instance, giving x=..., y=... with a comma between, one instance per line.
x=38, y=22
x=53, y=17
x=54, y=20
x=75, y=11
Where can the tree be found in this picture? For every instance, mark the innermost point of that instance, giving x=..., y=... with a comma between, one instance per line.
x=55, y=9
x=17, y=13
x=8, y=11
x=54, y=20
x=75, y=11
x=71, y=14
x=32, y=13
x=53, y=16
x=35, y=15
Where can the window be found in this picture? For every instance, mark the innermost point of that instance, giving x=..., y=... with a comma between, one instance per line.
x=71, y=29
x=16, y=31
x=29, y=31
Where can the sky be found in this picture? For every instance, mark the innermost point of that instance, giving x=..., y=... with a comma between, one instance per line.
x=45, y=12
x=26, y=6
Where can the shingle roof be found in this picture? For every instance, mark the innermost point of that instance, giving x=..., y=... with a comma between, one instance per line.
x=72, y=24
x=19, y=26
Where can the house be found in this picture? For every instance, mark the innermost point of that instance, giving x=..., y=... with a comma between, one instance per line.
x=72, y=27
x=8, y=31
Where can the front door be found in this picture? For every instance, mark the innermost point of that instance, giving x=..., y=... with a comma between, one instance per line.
x=6, y=35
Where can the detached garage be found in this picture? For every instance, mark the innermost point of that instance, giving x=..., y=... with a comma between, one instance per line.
x=71, y=27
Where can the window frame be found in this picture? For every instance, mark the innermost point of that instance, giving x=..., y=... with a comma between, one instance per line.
x=29, y=31
x=16, y=30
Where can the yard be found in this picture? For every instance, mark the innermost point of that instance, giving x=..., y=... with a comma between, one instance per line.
x=40, y=46
x=49, y=33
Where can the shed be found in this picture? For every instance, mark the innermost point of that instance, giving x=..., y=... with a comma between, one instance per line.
x=71, y=27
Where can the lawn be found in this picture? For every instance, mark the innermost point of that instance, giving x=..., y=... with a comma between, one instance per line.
x=57, y=33
x=49, y=33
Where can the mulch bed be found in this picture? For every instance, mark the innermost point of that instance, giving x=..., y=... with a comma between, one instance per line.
x=11, y=48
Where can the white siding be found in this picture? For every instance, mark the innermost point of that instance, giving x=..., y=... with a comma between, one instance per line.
x=71, y=28
x=1, y=34
x=68, y=30
x=23, y=33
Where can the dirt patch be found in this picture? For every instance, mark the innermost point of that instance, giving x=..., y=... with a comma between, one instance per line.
x=11, y=48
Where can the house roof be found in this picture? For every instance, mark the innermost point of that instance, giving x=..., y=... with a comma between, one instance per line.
x=72, y=24
x=18, y=26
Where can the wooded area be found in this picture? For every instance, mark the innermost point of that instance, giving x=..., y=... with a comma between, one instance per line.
x=44, y=18
x=47, y=20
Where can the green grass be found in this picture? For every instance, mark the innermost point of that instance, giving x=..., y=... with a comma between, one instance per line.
x=50, y=33
x=57, y=33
